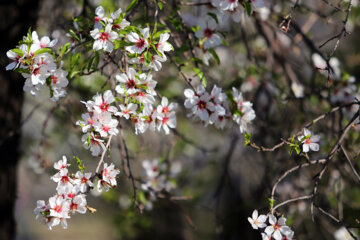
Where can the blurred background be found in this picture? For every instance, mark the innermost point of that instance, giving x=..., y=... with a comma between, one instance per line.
x=220, y=181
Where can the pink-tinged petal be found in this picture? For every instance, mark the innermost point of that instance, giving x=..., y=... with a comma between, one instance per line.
x=164, y=101
x=314, y=147
x=97, y=45
x=262, y=218
x=315, y=138
x=269, y=230
x=109, y=47
x=133, y=37
x=255, y=214
x=282, y=221
x=99, y=11
x=189, y=93
x=199, y=34
x=272, y=219
x=277, y=235
x=305, y=148
x=11, y=66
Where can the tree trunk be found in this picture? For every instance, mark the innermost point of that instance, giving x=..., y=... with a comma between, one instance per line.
x=17, y=17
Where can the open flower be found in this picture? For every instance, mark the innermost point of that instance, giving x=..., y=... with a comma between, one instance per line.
x=278, y=228
x=257, y=221
x=104, y=38
x=309, y=141
x=207, y=31
x=141, y=42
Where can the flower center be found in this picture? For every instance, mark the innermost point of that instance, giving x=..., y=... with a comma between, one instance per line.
x=104, y=36
x=104, y=106
x=277, y=226
x=106, y=128
x=308, y=141
x=165, y=120
x=64, y=179
x=54, y=79
x=58, y=208
x=208, y=32
x=73, y=206
x=130, y=83
x=202, y=104
x=140, y=43
x=84, y=180
x=165, y=110
x=36, y=71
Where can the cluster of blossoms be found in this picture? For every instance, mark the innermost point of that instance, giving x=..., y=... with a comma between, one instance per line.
x=98, y=122
x=70, y=197
x=271, y=227
x=106, y=29
x=158, y=177
x=138, y=96
x=218, y=109
x=148, y=51
x=235, y=9
x=34, y=59
x=344, y=90
x=145, y=49
x=309, y=141
x=208, y=30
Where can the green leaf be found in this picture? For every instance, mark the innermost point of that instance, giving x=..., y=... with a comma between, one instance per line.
x=131, y=5
x=201, y=76
x=247, y=137
x=248, y=8
x=80, y=164
x=214, y=16
x=88, y=140
x=42, y=51
x=160, y=4
x=148, y=58
x=214, y=54
x=271, y=202
x=64, y=48
x=18, y=52
x=22, y=70
x=73, y=35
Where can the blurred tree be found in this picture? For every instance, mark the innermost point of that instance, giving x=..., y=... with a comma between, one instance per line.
x=17, y=16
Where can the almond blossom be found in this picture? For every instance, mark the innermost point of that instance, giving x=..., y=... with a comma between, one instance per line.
x=108, y=177
x=309, y=141
x=104, y=38
x=245, y=113
x=277, y=228
x=257, y=221
x=44, y=42
x=199, y=102
x=207, y=32
x=83, y=181
x=140, y=41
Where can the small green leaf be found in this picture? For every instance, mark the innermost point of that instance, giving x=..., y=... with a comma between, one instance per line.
x=214, y=54
x=73, y=35
x=64, y=48
x=247, y=138
x=248, y=8
x=18, y=52
x=214, y=16
x=42, y=51
x=131, y=5
x=271, y=202
x=160, y=4
x=80, y=164
x=148, y=58
x=201, y=76
x=22, y=70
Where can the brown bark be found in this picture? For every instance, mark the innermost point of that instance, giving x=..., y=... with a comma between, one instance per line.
x=17, y=17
